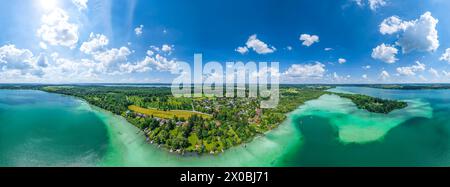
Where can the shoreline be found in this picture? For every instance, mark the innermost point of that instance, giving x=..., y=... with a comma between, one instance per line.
x=281, y=146
x=190, y=153
x=244, y=144
x=251, y=154
x=186, y=154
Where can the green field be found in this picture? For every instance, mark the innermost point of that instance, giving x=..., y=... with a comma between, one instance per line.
x=170, y=114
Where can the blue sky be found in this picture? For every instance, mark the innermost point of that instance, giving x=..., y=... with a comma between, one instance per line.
x=327, y=41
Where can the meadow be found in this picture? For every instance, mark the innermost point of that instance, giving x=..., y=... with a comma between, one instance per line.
x=169, y=114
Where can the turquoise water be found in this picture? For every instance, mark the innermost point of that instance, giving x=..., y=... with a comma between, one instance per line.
x=43, y=129
x=422, y=138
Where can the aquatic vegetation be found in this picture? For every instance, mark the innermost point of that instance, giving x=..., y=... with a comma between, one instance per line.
x=360, y=126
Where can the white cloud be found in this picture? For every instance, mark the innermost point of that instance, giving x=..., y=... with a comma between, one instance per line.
x=242, y=50
x=308, y=40
x=139, y=30
x=316, y=70
x=359, y=2
x=151, y=61
x=56, y=29
x=161, y=63
x=261, y=73
x=393, y=24
x=338, y=78
x=167, y=48
x=140, y=67
x=446, y=56
x=22, y=61
x=43, y=46
x=415, y=35
x=433, y=72
x=342, y=60
x=95, y=43
x=289, y=48
x=68, y=70
x=110, y=60
x=42, y=61
x=335, y=75
x=366, y=67
x=155, y=48
x=422, y=36
x=150, y=53
x=375, y=4
x=384, y=75
x=13, y=58
x=411, y=70
x=81, y=4
x=259, y=46
x=364, y=76
x=385, y=53
x=328, y=49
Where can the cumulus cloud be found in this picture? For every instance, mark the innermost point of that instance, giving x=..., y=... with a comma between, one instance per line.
x=150, y=53
x=13, y=58
x=150, y=62
x=20, y=61
x=336, y=77
x=81, y=4
x=446, y=56
x=415, y=35
x=433, y=72
x=111, y=60
x=167, y=48
x=56, y=29
x=95, y=43
x=256, y=45
x=393, y=24
x=445, y=73
x=411, y=70
x=385, y=53
x=42, y=61
x=139, y=30
x=42, y=45
x=155, y=48
x=384, y=75
x=316, y=70
x=373, y=4
x=162, y=63
x=342, y=61
x=140, y=67
x=72, y=70
x=242, y=50
x=308, y=40
x=259, y=46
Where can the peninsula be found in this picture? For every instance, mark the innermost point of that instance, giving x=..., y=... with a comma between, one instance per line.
x=201, y=125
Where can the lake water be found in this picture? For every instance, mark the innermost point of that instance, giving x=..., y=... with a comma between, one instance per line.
x=43, y=129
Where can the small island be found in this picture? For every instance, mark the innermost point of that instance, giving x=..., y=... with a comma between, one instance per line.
x=203, y=125
x=372, y=104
